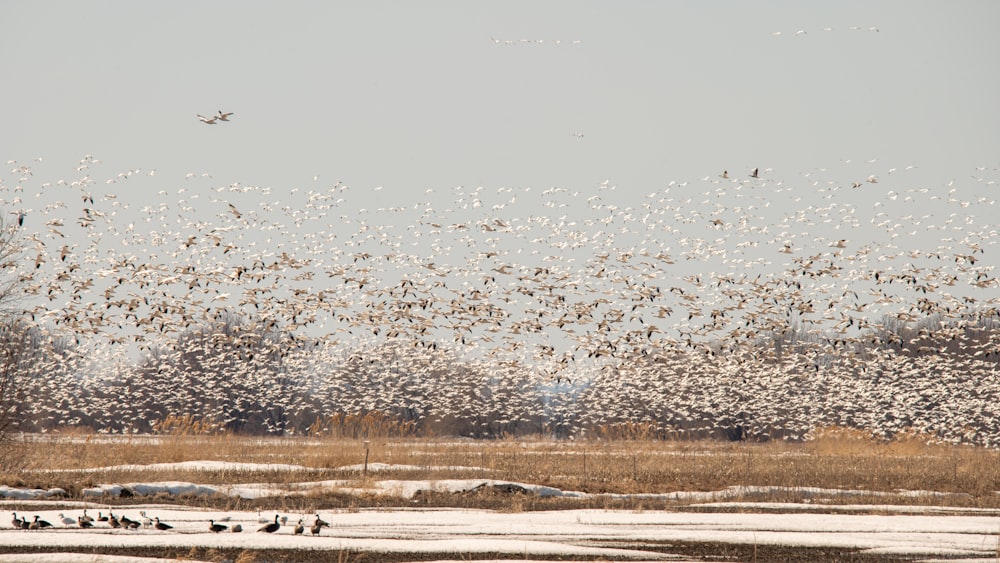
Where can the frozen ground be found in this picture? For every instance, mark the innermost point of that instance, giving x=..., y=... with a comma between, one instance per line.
x=965, y=534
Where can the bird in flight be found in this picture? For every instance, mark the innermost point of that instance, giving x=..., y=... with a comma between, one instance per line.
x=207, y=120
x=223, y=116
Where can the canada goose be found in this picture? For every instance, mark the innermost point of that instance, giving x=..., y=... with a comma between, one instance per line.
x=754, y=173
x=316, y=527
x=299, y=528
x=320, y=522
x=272, y=527
x=216, y=528
x=207, y=120
x=161, y=526
x=87, y=518
x=113, y=520
x=84, y=523
x=223, y=116
x=40, y=524
x=16, y=522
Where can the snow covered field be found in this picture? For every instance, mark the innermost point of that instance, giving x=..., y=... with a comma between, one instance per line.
x=965, y=534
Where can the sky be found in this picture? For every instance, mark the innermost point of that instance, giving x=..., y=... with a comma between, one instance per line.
x=413, y=96
x=621, y=126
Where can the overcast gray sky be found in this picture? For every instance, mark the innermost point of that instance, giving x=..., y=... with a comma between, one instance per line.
x=412, y=95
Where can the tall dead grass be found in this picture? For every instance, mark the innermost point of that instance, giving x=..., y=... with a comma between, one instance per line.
x=834, y=458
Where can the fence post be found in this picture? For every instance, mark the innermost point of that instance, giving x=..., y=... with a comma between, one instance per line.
x=364, y=473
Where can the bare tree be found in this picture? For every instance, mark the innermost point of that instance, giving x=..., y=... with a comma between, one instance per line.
x=12, y=332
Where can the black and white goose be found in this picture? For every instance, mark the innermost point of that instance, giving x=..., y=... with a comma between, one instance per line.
x=271, y=527
x=162, y=526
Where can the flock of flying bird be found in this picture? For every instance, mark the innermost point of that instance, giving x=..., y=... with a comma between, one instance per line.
x=125, y=523
x=754, y=293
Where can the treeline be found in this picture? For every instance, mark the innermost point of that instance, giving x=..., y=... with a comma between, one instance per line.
x=933, y=377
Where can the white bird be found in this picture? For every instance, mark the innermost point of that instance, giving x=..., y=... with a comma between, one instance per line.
x=207, y=120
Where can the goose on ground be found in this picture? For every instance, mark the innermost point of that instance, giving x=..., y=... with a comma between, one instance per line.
x=39, y=524
x=162, y=526
x=299, y=528
x=272, y=527
x=216, y=528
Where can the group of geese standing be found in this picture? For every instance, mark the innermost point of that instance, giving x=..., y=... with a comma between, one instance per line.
x=123, y=522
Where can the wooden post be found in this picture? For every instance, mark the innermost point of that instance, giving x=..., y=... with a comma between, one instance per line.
x=365, y=471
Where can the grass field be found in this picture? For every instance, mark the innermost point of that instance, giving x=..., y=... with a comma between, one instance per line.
x=834, y=459
x=774, y=501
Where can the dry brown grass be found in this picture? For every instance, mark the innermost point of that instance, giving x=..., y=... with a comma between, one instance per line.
x=834, y=459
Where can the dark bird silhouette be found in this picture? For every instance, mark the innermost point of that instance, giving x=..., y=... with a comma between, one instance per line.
x=216, y=528
x=161, y=526
x=272, y=527
x=39, y=524
x=86, y=518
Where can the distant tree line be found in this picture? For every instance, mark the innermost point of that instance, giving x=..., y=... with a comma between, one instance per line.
x=932, y=377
